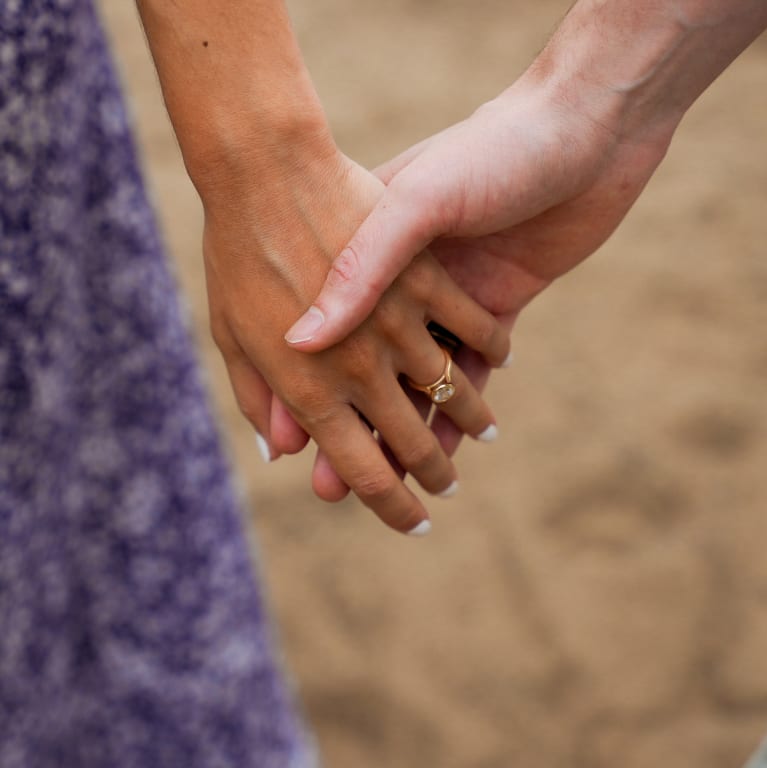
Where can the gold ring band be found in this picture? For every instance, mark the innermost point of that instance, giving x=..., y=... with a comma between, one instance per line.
x=443, y=388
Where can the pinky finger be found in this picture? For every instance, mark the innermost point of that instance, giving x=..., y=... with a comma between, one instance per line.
x=286, y=434
x=254, y=398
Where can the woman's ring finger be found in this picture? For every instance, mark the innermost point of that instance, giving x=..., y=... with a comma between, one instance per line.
x=441, y=390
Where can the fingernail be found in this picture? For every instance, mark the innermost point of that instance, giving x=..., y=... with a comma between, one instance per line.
x=508, y=361
x=263, y=448
x=307, y=325
x=451, y=490
x=489, y=434
x=421, y=529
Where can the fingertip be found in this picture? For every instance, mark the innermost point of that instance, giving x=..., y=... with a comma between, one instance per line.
x=263, y=448
x=306, y=328
x=323, y=326
x=450, y=491
x=286, y=435
x=330, y=490
x=509, y=359
x=289, y=443
x=326, y=483
x=502, y=356
x=415, y=522
x=421, y=529
x=489, y=434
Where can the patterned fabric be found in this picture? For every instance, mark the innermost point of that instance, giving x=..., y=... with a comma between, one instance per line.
x=131, y=630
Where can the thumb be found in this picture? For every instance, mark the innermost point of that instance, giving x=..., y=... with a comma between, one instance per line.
x=401, y=225
x=388, y=170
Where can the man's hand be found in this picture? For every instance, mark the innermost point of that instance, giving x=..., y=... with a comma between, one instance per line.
x=536, y=180
x=279, y=202
x=569, y=146
x=501, y=266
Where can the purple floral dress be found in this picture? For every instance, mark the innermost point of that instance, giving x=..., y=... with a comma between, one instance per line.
x=131, y=630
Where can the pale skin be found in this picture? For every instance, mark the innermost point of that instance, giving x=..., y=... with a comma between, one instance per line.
x=536, y=180
x=280, y=200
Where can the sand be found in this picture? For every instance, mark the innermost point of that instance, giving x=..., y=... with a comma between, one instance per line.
x=597, y=593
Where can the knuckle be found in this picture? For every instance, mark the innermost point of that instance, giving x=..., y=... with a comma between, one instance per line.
x=361, y=359
x=345, y=268
x=309, y=403
x=420, y=279
x=313, y=420
x=375, y=487
x=391, y=318
x=420, y=454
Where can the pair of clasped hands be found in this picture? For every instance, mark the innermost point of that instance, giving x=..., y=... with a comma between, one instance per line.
x=323, y=277
x=322, y=328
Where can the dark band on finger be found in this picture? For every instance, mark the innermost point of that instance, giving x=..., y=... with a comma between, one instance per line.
x=444, y=338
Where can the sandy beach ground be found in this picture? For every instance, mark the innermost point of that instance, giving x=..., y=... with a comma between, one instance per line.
x=596, y=596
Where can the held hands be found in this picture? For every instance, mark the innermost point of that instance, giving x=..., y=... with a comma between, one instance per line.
x=508, y=200
x=527, y=185
x=266, y=257
x=537, y=179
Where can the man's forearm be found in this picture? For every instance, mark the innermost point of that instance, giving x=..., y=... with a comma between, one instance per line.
x=234, y=83
x=638, y=65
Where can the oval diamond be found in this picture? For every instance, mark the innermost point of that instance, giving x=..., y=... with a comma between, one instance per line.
x=443, y=393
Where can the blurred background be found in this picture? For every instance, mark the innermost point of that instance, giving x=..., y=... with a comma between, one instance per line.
x=597, y=593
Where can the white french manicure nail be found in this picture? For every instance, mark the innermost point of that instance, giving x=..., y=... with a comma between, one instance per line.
x=508, y=361
x=451, y=490
x=421, y=529
x=489, y=434
x=263, y=448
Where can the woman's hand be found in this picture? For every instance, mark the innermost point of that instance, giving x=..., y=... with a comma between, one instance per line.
x=279, y=203
x=266, y=256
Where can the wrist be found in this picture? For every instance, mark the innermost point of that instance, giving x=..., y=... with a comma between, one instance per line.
x=635, y=67
x=236, y=88
x=602, y=62
x=237, y=151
